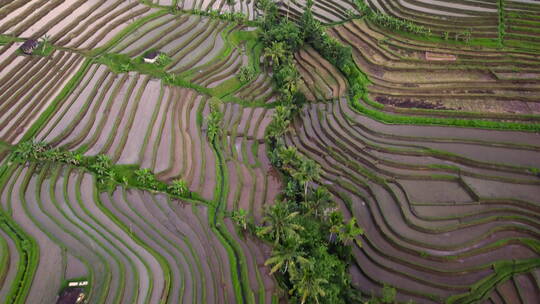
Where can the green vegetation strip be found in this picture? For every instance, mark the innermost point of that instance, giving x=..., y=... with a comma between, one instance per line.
x=108, y=175
x=238, y=261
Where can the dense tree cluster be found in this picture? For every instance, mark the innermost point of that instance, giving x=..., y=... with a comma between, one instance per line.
x=310, y=236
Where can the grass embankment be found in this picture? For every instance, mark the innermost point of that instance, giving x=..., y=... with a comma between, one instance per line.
x=216, y=215
x=5, y=39
x=504, y=270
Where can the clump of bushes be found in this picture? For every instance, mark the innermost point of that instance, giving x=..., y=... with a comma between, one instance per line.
x=237, y=17
x=179, y=187
x=215, y=119
x=390, y=22
x=246, y=74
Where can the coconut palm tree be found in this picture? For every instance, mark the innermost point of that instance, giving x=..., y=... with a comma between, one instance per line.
x=286, y=256
x=307, y=283
x=349, y=232
x=280, y=223
x=275, y=53
x=309, y=171
x=44, y=42
x=319, y=201
x=289, y=156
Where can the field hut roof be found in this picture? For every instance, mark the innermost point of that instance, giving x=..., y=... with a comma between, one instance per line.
x=70, y=295
x=29, y=45
x=151, y=55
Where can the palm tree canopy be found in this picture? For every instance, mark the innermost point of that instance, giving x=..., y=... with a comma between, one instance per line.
x=281, y=223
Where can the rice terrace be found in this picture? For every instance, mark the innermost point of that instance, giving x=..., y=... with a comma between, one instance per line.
x=262, y=151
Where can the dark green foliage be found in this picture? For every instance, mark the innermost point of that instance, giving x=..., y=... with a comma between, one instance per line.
x=281, y=223
x=388, y=294
x=319, y=203
x=278, y=127
x=312, y=265
x=284, y=32
x=327, y=46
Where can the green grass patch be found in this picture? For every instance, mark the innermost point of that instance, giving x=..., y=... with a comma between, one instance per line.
x=5, y=39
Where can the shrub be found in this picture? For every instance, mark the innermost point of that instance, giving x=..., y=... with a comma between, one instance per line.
x=214, y=120
x=246, y=74
x=179, y=188
x=388, y=294
x=239, y=217
x=146, y=179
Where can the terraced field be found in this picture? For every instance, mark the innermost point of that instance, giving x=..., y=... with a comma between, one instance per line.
x=74, y=24
x=407, y=74
x=440, y=207
x=29, y=85
x=159, y=182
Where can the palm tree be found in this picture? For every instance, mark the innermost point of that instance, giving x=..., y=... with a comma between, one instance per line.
x=281, y=223
x=349, y=232
x=285, y=256
x=319, y=201
x=44, y=41
x=240, y=218
x=307, y=283
x=308, y=171
x=275, y=52
x=289, y=156
x=179, y=187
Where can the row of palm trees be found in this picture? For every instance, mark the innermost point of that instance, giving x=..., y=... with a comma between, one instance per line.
x=311, y=240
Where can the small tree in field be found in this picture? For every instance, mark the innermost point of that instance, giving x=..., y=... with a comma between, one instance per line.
x=146, y=179
x=239, y=217
x=44, y=42
x=179, y=187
